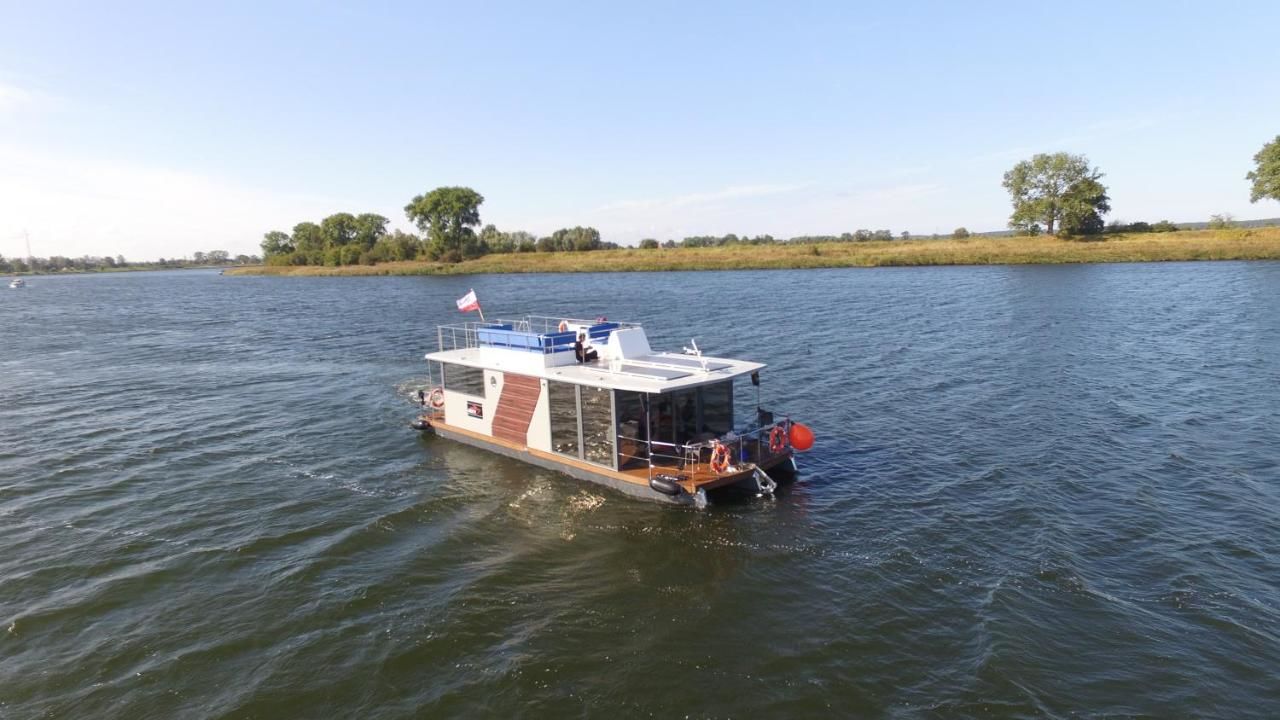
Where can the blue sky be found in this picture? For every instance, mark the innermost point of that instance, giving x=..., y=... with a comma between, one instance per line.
x=163, y=128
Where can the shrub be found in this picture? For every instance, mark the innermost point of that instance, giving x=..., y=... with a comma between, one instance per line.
x=1164, y=226
x=649, y=244
x=959, y=233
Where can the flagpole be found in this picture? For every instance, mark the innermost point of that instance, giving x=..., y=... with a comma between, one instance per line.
x=480, y=310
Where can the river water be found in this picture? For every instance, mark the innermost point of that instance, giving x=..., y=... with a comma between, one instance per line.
x=1036, y=492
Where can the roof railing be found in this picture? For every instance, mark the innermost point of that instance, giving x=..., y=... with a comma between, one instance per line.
x=531, y=333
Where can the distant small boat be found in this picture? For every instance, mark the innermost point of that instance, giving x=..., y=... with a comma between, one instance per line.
x=16, y=283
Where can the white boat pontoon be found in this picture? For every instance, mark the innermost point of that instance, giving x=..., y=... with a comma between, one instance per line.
x=590, y=398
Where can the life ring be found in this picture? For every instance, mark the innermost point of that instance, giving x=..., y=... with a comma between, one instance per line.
x=436, y=398
x=564, y=326
x=777, y=440
x=719, y=458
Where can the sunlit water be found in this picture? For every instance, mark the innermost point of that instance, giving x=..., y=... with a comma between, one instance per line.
x=1037, y=491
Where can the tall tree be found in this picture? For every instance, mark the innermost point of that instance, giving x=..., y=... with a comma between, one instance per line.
x=1059, y=190
x=273, y=243
x=496, y=241
x=1266, y=176
x=447, y=215
x=522, y=241
x=369, y=229
x=338, y=229
x=308, y=241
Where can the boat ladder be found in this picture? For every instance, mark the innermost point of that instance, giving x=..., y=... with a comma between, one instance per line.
x=765, y=485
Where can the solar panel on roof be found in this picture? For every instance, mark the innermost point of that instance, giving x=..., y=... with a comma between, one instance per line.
x=652, y=372
x=681, y=362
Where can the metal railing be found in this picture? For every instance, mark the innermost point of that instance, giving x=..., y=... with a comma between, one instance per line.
x=750, y=447
x=536, y=328
x=549, y=324
x=460, y=336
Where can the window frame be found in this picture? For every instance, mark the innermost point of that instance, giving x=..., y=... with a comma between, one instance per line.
x=465, y=387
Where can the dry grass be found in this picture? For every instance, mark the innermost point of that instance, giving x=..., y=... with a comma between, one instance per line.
x=1250, y=244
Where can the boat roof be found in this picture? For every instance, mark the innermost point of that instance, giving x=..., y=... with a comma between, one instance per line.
x=654, y=373
x=541, y=346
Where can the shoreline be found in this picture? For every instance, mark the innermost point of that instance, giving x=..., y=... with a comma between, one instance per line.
x=1186, y=245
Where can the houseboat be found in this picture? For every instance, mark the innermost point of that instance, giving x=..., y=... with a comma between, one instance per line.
x=591, y=399
x=16, y=283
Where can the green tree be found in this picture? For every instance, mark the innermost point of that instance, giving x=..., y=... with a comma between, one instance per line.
x=447, y=215
x=351, y=253
x=906, y=234
x=308, y=241
x=369, y=229
x=276, y=243
x=584, y=238
x=1266, y=176
x=338, y=229
x=497, y=241
x=402, y=245
x=1059, y=190
x=649, y=244
x=1222, y=222
x=959, y=233
x=522, y=241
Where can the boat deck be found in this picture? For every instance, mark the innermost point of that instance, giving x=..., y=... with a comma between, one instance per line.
x=692, y=476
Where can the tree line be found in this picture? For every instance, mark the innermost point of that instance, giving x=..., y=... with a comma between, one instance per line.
x=1056, y=194
x=447, y=218
x=91, y=263
x=1062, y=194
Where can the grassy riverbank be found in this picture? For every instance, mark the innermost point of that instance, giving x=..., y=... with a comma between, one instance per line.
x=1241, y=244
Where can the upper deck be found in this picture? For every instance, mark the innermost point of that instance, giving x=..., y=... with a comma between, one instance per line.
x=536, y=346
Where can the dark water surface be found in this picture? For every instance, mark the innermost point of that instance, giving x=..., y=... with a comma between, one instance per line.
x=1037, y=491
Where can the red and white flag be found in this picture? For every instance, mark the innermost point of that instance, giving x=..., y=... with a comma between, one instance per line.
x=468, y=302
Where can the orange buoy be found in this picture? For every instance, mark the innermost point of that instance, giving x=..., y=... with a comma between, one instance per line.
x=801, y=436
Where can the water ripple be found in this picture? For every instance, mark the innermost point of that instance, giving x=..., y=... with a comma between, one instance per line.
x=1037, y=492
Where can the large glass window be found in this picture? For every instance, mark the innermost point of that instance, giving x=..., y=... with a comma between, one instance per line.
x=629, y=409
x=685, y=412
x=661, y=425
x=562, y=398
x=717, y=408
x=597, y=424
x=463, y=379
